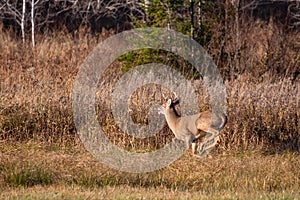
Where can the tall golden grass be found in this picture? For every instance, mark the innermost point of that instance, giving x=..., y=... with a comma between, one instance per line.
x=36, y=94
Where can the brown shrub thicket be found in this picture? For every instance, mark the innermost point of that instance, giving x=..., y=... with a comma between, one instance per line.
x=263, y=101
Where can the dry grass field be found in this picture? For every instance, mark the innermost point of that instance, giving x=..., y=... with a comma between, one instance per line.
x=43, y=158
x=39, y=171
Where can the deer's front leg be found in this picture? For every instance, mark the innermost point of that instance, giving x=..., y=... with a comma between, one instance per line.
x=189, y=141
x=197, y=140
x=194, y=147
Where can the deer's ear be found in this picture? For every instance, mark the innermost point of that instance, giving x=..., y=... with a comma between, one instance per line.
x=169, y=102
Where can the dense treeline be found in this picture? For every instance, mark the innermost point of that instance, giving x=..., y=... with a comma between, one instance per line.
x=223, y=27
x=53, y=15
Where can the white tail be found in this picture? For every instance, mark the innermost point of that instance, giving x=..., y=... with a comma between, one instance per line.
x=190, y=128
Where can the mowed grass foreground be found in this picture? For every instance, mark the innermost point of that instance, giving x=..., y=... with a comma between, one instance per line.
x=40, y=171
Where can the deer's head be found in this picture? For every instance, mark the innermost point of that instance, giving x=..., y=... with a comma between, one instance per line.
x=169, y=105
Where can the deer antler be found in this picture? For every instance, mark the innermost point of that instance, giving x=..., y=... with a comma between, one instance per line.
x=163, y=95
x=176, y=99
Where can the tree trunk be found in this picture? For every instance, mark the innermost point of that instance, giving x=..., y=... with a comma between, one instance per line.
x=237, y=35
x=23, y=20
x=192, y=18
x=32, y=24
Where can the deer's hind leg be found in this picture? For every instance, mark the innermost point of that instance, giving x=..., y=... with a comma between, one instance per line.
x=209, y=143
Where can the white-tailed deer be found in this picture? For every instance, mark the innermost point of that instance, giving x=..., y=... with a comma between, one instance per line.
x=190, y=128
